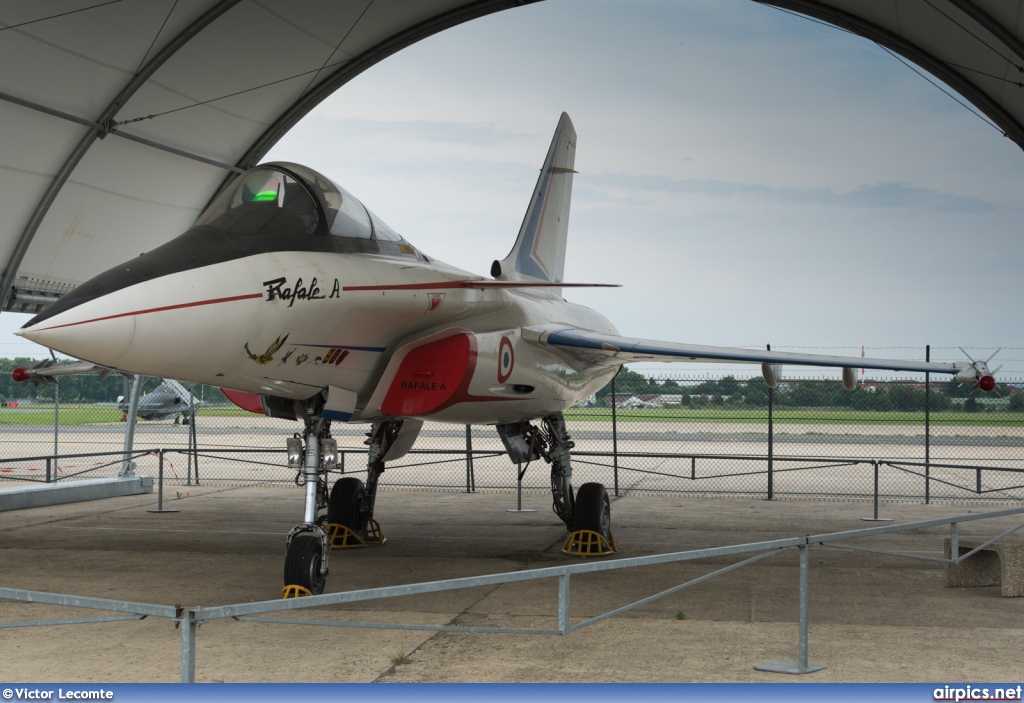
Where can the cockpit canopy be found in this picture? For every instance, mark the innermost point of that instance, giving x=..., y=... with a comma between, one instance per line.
x=292, y=200
x=273, y=207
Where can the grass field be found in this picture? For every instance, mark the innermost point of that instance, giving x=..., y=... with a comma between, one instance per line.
x=71, y=415
x=797, y=416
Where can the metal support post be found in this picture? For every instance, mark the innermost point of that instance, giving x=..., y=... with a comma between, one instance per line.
x=189, y=470
x=48, y=469
x=805, y=592
x=470, y=479
x=771, y=441
x=520, y=472
x=615, y=438
x=193, y=441
x=128, y=466
x=56, y=413
x=160, y=487
x=563, y=604
x=875, y=518
x=801, y=666
x=954, y=542
x=927, y=428
x=188, y=624
x=693, y=468
x=977, y=481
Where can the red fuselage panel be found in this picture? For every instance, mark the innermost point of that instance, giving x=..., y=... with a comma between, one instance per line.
x=430, y=376
x=246, y=401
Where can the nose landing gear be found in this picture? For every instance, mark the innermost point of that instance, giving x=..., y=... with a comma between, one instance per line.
x=306, y=546
x=348, y=521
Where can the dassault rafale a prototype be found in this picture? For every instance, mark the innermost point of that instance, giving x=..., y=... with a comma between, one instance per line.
x=297, y=298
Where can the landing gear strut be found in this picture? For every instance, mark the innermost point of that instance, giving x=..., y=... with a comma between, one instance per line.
x=559, y=448
x=306, y=547
x=350, y=508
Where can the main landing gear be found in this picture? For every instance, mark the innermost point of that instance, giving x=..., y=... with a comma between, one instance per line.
x=587, y=515
x=349, y=518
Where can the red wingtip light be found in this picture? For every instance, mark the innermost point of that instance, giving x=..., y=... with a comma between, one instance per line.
x=20, y=374
x=986, y=383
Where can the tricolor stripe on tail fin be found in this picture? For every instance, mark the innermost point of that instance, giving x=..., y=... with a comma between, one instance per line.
x=539, y=252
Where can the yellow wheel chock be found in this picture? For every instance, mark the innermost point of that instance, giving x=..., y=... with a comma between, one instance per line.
x=587, y=543
x=294, y=591
x=374, y=535
x=344, y=538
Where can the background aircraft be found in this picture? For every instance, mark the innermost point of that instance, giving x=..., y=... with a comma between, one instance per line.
x=169, y=400
x=289, y=291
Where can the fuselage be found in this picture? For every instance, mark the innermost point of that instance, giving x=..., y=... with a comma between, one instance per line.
x=289, y=309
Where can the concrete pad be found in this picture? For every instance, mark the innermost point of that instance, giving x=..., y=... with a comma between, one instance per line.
x=1000, y=564
x=873, y=617
x=40, y=494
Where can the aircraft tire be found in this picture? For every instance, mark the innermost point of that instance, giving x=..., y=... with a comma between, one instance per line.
x=593, y=510
x=302, y=564
x=345, y=507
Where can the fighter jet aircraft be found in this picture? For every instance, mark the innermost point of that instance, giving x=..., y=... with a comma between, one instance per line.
x=292, y=294
x=169, y=400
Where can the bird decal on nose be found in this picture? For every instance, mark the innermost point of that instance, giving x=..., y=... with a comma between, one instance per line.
x=267, y=356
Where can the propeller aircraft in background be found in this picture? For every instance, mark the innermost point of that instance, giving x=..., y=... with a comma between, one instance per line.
x=291, y=294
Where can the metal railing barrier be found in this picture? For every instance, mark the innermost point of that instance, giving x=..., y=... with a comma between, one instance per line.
x=189, y=620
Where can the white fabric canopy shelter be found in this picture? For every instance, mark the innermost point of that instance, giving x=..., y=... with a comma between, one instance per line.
x=123, y=118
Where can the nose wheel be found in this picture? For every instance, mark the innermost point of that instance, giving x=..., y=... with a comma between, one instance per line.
x=303, y=566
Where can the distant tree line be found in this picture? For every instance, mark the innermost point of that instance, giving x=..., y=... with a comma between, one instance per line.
x=81, y=388
x=811, y=394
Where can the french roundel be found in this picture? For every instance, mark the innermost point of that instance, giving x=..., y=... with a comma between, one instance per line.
x=506, y=360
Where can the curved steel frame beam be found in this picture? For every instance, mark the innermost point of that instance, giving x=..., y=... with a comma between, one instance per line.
x=270, y=137
x=137, y=81
x=357, y=65
x=97, y=127
x=1010, y=126
x=993, y=27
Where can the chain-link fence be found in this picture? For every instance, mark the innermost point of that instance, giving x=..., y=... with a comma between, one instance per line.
x=713, y=437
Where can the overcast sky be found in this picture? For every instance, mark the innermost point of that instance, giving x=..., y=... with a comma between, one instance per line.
x=747, y=175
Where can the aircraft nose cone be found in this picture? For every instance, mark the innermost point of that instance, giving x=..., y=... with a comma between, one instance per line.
x=86, y=331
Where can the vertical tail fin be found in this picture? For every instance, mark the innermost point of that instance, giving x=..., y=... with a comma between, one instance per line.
x=539, y=252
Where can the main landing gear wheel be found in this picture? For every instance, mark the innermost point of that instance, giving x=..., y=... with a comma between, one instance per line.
x=348, y=523
x=593, y=510
x=302, y=564
x=591, y=534
x=347, y=504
